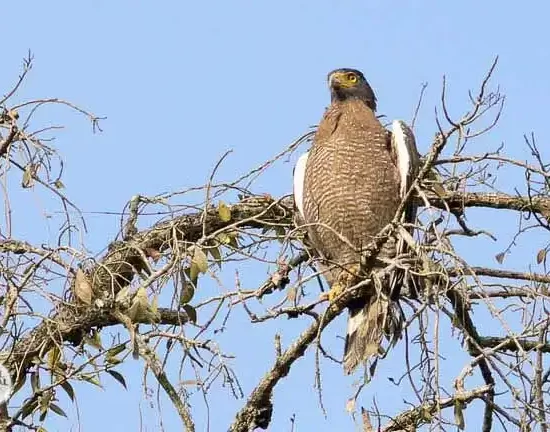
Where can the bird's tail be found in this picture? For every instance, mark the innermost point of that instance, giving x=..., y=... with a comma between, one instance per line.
x=366, y=326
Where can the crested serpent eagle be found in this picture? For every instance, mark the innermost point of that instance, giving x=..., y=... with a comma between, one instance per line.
x=347, y=188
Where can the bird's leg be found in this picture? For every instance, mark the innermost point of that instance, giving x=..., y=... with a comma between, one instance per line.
x=346, y=278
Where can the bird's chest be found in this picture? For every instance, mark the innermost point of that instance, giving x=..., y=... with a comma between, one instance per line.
x=351, y=182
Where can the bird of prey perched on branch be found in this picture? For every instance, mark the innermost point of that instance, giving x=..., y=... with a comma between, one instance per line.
x=347, y=188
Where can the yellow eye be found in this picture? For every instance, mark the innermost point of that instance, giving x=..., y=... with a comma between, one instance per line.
x=352, y=78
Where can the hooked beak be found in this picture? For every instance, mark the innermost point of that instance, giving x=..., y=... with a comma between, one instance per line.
x=334, y=80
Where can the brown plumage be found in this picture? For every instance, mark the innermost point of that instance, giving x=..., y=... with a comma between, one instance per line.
x=351, y=191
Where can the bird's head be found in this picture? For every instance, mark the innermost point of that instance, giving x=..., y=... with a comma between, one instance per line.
x=350, y=84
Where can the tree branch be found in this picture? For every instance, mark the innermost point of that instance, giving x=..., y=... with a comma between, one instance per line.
x=124, y=258
x=71, y=324
x=120, y=266
x=513, y=344
x=155, y=365
x=459, y=200
x=464, y=319
x=258, y=409
x=411, y=419
x=497, y=273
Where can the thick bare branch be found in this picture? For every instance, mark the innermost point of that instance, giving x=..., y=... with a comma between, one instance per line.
x=513, y=344
x=460, y=200
x=120, y=266
x=258, y=409
x=156, y=366
x=413, y=418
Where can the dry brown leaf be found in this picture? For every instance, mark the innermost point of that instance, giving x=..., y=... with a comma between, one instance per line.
x=276, y=278
x=152, y=253
x=541, y=256
x=28, y=177
x=367, y=425
x=350, y=405
x=82, y=288
x=291, y=294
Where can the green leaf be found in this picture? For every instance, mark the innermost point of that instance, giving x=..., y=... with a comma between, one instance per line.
x=223, y=238
x=200, y=260
x=112, y=352
x=191, y=313
x=233, y=239
x=459, y=415
x=216, y=254
x=139, y=306
x=66, y=385
x=59, y=184
x=372, y=367
x=95, y=340
x=118, y=376
x=224, y=212
x=45, y=401
x=53, y=357
x=113, y=360
x=35, y=382
x=425, y=414
x=187, y=292
x=193, y=273
x=56, y=409
x=28, y=409
x=92, y=380
x=281, y=233
x=155, y=304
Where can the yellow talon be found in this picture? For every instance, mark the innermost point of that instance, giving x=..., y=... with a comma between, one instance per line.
x=335, y=290
x=345, y=279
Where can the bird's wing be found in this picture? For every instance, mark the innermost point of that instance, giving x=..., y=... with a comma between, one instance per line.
x=408, y=160
x=299, y=176
x=408, y=164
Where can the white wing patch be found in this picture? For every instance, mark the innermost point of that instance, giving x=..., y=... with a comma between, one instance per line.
x=299, y=176
x=408, y=162
x=401, y=134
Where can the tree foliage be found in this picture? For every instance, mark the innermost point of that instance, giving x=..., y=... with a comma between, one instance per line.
x=70, y=317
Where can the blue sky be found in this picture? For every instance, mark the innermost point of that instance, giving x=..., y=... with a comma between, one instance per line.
x=182, y=82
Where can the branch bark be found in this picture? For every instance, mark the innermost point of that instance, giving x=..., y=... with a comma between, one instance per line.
x=118, y=268
x=411, y=419
x=157, y=368
x=460, y=200
x=258, y=409
x=124, y=259
x=513, y=344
